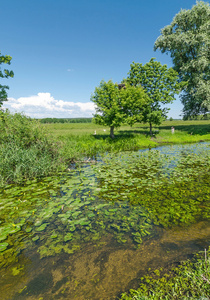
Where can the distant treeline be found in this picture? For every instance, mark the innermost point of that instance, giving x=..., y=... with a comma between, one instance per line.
x=65, y=120
x=199, y=117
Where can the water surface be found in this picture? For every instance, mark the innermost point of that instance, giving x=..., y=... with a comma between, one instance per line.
x=94, y=232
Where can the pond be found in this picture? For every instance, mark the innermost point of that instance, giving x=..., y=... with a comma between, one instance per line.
x=93, y=232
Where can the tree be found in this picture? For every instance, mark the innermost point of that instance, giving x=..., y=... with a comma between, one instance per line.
x=187, y=39
x=159, y=83
x=117, y=104
x=4, y=74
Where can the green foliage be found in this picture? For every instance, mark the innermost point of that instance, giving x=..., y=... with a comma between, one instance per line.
x=159, y=83
x=21, y=130
x=4, y=59
x=190, y=280
x=25, y=149
x=115, y=106
x=187, y=39
x=65, y=120
x=198, y=117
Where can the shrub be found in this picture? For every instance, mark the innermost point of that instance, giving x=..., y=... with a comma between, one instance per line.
x=26, y=151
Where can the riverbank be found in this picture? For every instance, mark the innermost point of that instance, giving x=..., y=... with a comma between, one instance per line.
x=88, y=140
x=32, y=150
x=189, y=280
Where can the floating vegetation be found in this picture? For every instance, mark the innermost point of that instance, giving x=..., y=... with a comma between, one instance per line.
x=126, y=196
x=3, y=246
x=172, y=187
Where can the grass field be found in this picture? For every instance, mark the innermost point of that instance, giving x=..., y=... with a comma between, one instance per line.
x=79, y=140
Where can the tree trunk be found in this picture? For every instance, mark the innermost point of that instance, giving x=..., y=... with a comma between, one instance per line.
x=112, y=132
x=150, y=128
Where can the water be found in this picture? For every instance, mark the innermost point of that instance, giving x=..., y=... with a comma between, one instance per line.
x=78, y=236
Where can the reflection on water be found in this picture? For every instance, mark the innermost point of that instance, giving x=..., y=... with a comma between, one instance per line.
x=79, y=238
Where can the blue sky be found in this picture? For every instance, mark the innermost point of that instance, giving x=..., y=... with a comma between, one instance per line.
x=62, y=49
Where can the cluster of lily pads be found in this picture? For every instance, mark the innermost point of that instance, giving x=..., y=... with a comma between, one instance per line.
x=59, y=213
x=123, y=197
x=172, y=185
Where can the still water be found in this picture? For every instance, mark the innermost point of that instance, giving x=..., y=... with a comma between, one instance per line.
x=94, y=232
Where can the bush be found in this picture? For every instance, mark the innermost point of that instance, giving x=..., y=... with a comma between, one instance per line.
x=26, y=151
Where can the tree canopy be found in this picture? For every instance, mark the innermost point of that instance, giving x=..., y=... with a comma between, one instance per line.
x=6, y=59
x=116, y=105
x=160, y=84
x=187, y=39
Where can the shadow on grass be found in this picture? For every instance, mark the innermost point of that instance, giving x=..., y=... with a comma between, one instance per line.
x=144, y=131
x=200, y=129
x=125, y=135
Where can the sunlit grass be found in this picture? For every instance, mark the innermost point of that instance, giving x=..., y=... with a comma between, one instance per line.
x=89, y=139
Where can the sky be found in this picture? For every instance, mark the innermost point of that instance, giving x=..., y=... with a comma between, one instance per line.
x=62, y=49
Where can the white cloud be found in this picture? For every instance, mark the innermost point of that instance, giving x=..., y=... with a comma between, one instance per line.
x=43, y=105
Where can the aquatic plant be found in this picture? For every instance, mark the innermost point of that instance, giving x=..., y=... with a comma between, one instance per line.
x=159, y=183
x=190, y=280
x=125, y=196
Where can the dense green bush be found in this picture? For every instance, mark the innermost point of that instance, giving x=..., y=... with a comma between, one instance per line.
x=26, y=151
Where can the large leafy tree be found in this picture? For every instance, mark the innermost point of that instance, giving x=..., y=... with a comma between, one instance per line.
x=4, y=59
x=117, y=104
x=187, y=39
x=160, y=83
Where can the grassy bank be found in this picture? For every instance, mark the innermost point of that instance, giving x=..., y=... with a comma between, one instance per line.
x=79, y=140
x=190, y=280
x=26, y=151
x=29, y=149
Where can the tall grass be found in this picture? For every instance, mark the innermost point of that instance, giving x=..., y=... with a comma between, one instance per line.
x=26, y=151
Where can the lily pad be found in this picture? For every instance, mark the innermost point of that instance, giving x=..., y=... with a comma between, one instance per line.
x=68, y=237
x=28, y=229
x=42, y=227
x=54, y=235
x=3, y=246
x=3, y=237
x=36, y=238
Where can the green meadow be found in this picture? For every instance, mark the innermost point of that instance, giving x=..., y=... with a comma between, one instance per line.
x=88, y=140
